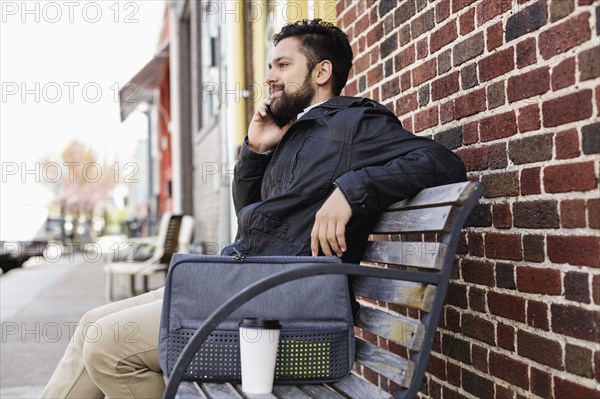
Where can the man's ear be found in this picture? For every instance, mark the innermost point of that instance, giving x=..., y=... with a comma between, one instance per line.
x=323, y=72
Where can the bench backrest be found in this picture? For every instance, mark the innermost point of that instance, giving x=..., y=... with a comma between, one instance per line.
x=419, y=234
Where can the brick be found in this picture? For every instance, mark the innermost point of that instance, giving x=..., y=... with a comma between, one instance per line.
x=541, y=383
x=530, y=19
x=437, y=367
x=506, y=336
x=488, y=9
x=572, y=214
x=504, y=392
x=375, y=34
x=589, y=63
x=447, y=112
x=570, y=177
x=495, y=95
x=530, y=181
x=474, y=158
x=495, y=36
x=470, y=104
x=475, y=245
x=457, y=295
x=478, y=272
x=526, y=52
x=451, y=138
x=454, y=377
x=598, y=19
x=498, y=158
x=479, y=329
x=456, y=348
x=362, y=83
x=533, y=248
x=391, y=88
x=498, y=126
x=563, y=75
x=444, y=62
x=423, y=95
x=505, y=184
x=536, y=215
x=529, y=118
x=467, y=22
x=537, y=315
x=477, y=300
x=424, y=72
x=468, y=49
x=577, y=287
x=569, y=108
x=452, y=319
x=509, y=369
x=593, y=213
x=388, y=45
x=590, y=135
x=578, y=361
x=444, y=86
x=421, y=4
x=560, y=9
x=423, y=23
x=539, y=280
x=480, y=216
x=422, y=48
x=501, y=216
x=407, y=103
x=575, y=322
x=404, y=12
x=531, y=149
x=505, y=276
x=426, y=119
x=388, y=68
x=443, y=36
x=509, y=306
x=385, y=7
x=479, y=357
x=569, y=389
x=529, y=84
x=529, y=346
x=574, y=250
x=567, y=144
x=404, y=35
x=471, y=133
x=468, y=76
x=479, y=386
x=565, y=36
x=405, y=81
x=458, y=5
x=442, y=10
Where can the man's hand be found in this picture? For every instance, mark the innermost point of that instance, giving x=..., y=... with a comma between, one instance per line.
x=263, y=133
x=329, y=231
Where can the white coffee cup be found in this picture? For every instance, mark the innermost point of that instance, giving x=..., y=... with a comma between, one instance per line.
x=258, y=349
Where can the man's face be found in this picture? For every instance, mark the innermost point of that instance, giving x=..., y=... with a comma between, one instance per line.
x=290, y=82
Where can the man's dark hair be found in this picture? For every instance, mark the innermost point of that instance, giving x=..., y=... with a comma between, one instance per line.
x=322, y=41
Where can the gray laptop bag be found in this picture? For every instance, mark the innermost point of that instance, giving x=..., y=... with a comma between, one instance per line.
x=317, y=337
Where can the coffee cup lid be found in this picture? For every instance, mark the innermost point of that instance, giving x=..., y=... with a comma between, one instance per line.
x=253, y=322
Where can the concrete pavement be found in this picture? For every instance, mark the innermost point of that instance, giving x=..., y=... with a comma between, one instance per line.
x=40, y=306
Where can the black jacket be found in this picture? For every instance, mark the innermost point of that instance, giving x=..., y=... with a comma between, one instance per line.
x=353, y=143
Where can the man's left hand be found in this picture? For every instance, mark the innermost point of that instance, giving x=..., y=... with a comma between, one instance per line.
x=329, y=230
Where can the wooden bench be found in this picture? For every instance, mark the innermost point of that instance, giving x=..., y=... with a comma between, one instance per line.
x=408, y=265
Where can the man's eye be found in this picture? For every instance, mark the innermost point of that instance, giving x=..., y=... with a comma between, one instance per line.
x=281, y=65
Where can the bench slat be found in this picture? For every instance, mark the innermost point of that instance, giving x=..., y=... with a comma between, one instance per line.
x=416, y=220
x=414, y=295
x=320, y=392
x=220, y=391
x=357, y=388
x=289, y=392
x=189, y=390
x=451, y=193
x=245, y=395
x=402, y=330
x=388, y=364
x=417, y=254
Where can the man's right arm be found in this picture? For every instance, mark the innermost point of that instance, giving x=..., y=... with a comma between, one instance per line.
x=247, y=178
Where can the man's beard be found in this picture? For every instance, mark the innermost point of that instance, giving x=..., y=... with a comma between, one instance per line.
x=288, y=106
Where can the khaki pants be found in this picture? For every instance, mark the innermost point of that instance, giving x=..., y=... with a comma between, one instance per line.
x=113, y=353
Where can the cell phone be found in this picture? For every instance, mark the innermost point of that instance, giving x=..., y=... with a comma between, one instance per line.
x=279, y=121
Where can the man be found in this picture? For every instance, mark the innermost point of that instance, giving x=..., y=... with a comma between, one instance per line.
x=314, y=186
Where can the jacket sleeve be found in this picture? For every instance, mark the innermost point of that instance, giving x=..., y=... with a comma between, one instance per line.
x=390, y=164
x=247, y=177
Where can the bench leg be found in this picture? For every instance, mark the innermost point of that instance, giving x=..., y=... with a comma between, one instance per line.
x=131, y=288
x=108, y=287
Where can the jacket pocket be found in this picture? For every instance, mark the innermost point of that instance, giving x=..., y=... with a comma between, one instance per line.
x=314, y=167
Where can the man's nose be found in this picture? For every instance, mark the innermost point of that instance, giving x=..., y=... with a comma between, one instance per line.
x=271, y=77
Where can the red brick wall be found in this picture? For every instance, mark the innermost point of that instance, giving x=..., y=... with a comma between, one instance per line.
x=512, y=87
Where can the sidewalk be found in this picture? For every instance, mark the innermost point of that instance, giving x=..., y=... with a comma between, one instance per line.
x=40, y=305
